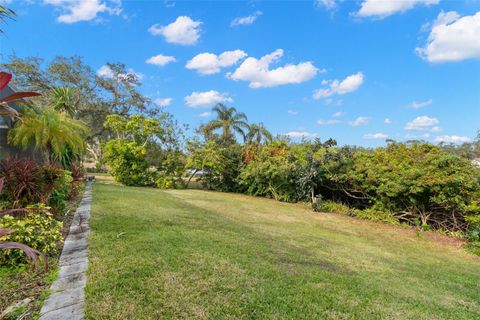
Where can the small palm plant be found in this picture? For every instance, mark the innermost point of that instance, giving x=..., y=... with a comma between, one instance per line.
x=65, y=100
x=54, y=133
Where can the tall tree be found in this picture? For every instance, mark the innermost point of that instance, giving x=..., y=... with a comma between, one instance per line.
x=95, y=96
x=229, y=121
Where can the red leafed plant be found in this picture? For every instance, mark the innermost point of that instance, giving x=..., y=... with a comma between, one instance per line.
x=33, y=255
x=78, y=172
x=5, y=109
x=23, y=181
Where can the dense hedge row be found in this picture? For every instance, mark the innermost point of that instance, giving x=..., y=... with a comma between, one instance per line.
x=416, y=183
x=419, y=184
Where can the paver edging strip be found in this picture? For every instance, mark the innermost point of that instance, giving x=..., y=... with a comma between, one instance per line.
x=67, y=298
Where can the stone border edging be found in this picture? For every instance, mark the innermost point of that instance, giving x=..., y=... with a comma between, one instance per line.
x=67, y=298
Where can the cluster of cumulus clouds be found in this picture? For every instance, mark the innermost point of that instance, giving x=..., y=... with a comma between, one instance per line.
x=451, y=37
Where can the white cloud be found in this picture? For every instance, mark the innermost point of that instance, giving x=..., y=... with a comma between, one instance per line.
x=349, y=84
x=106, y=72
x=209, y=63
x=301, y=134
x=84, y=10
x=327, y=4
x=240, y=21
x=452, y=139
x=419, y=105
x=422, y=123
x=452, y=38
x=338, y=114
x=328, y=122
x=360, y=121
x=292, y=112
x=387, y=121
x=417, y=137
x=205, y=114
x=258, y=73
x=163, y=102
x=184, y=31
x=384, y=8
x=160, y=60
x=372, y=136
x=206, y=98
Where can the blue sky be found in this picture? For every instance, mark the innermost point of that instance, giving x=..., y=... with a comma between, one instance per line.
x=357, y=71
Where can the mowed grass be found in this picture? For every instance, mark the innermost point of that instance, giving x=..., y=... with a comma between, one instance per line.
x=191, y=254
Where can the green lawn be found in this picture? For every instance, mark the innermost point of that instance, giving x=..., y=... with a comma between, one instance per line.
x=190, y=254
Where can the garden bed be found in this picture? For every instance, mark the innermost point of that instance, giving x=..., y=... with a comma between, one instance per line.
x=23, y=283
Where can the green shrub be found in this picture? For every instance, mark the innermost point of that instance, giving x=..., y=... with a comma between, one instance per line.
x=76, y=188
x=333, y=207
x=373, y=214
x=271, y=172
x=166, y=182
x=421, y=181
x=143, y=146
x=474, y=247
x=61, y=191
x=127, y=162
x=473, y=228
x=38, y=230
x=221, y=165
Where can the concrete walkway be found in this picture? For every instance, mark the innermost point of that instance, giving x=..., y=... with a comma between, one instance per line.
x=67, y=292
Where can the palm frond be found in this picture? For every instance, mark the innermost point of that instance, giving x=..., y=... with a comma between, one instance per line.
x=51, y=131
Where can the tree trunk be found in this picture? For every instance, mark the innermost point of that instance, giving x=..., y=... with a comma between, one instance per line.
x=191, y=177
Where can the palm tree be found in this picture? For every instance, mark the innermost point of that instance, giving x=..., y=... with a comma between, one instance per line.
x=257, y=132
x=55, y=133
x=65, y=100
x=229, y=121
x=5, y=14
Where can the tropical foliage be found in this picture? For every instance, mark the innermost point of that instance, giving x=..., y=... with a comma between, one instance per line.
x=229, y=121
x=52, y=132
x=258, y=133
x=5, y=109
x=70, y=85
